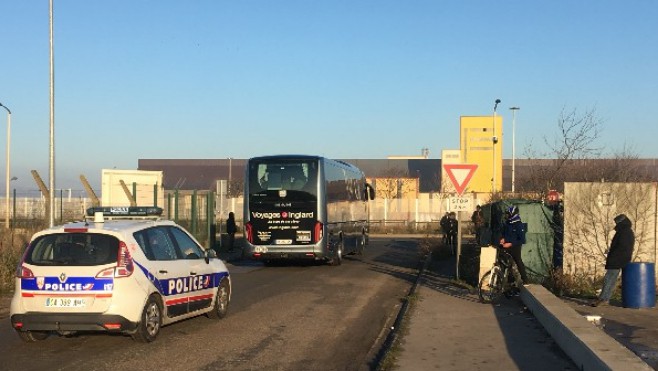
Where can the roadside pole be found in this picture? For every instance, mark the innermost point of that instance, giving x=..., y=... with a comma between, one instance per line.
x=459, y=242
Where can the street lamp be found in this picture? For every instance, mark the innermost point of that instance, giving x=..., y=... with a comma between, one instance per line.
x=51, y=162
x=513, y=109
x=493, y=149
x=7, y=166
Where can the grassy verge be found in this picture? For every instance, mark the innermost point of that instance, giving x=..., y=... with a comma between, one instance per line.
x=389, y=361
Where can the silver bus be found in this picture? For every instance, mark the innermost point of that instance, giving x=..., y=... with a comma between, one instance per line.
x=305, y=207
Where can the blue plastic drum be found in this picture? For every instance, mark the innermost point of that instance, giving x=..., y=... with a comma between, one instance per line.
x=638, y=285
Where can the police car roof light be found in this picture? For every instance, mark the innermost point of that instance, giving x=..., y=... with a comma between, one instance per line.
x=125, y=211
x=75, y=230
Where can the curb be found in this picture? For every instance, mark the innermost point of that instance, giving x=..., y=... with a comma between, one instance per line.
x=587, y=345
x=395, y=329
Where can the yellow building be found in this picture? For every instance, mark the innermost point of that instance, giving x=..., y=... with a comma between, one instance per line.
x=478, y=146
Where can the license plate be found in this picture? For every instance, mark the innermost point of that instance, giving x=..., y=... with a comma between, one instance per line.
x=283, y=242
x=303, y=236
x=65, y=302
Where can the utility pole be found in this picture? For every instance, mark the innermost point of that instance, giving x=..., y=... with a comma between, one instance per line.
x=513, y=109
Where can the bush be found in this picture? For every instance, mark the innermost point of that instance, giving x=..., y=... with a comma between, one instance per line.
x=12, y=244
x=562, y=284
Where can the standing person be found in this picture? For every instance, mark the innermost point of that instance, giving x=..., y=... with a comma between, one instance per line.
x=478, y=222
x=231, y=228
x=514, y=238
x=452, y=230
x=444, y=226
x=620, y=254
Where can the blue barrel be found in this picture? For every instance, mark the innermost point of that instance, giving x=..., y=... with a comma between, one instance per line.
x=638, y=285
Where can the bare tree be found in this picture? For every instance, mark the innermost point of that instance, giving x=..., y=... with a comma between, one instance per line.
x=388, y=183
x=577, y=135
x=569, y=150
x=235, y=188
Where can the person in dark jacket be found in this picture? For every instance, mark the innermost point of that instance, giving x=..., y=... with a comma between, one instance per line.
x=231, y=229
x=513, y=239
x=620, y=254
x=444, y=226
x=478, y=222
x=453, y=225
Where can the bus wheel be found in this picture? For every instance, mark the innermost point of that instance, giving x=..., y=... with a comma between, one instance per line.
x=361, y=244
x=338, y=257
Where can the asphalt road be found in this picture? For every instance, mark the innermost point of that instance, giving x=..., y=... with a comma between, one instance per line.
x=291, y=317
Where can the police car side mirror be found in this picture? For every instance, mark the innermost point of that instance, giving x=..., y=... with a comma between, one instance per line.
x=210, y=254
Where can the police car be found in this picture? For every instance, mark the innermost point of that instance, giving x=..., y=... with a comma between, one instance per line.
x=122, y=270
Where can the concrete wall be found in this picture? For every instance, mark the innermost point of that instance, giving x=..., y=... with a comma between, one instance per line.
x=589, y=210
x=113, y=193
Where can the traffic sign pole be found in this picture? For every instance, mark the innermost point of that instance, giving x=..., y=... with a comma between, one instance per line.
x=459, y=243
x=460, y=175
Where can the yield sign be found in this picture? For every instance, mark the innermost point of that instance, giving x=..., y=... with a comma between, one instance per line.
x=460, y=175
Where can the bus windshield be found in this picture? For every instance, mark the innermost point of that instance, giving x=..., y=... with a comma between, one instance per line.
x=273, y=179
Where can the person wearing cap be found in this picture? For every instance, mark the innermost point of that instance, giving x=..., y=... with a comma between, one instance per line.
x=514, y=238
x=620, y=254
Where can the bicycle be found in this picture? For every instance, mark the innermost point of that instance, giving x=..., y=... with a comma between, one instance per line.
x=496, y=281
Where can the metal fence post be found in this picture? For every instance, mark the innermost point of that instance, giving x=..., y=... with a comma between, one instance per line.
x=194, y=212
x=176, y=206
x=13, y=215
x=210, y=217
x=168, y=205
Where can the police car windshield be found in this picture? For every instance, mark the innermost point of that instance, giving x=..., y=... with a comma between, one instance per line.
x=74, y=249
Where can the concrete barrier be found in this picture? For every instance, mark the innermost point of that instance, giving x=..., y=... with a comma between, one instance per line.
x=587, y=345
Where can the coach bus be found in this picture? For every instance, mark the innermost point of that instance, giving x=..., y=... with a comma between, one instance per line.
x=305, y=207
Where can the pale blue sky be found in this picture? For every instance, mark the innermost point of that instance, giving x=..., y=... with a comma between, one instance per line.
x=345, y=79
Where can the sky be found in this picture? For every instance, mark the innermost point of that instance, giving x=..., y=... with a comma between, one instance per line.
x=146, y=79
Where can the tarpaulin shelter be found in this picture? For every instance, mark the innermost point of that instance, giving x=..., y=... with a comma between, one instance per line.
x=538, y=251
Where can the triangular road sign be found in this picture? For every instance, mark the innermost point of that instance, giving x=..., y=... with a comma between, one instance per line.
x=460, y=175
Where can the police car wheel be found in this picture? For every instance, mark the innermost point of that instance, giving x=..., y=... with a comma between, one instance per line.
x=221, y=302
x=151, y=322
x=32, y=336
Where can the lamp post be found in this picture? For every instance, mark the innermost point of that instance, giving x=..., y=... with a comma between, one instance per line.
x=513, y=109
x=51, y=162
x=7, y=166
x=230, y=170
x=494, y=140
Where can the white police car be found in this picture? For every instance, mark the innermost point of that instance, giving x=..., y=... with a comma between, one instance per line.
x=121, y=270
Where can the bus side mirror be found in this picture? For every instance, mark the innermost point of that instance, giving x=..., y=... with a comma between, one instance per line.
x=369, y=192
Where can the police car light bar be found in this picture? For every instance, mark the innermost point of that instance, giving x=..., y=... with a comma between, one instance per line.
x=111, y=211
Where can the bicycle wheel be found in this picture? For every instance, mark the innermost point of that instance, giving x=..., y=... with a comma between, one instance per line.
x=491, y=286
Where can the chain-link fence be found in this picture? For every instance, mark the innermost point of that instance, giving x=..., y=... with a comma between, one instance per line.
x=204, y=213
